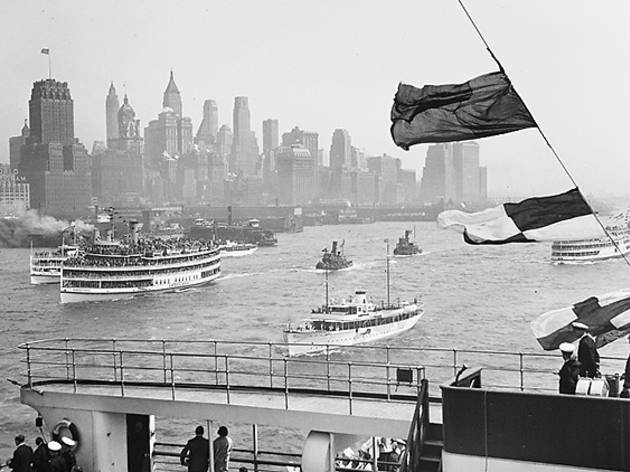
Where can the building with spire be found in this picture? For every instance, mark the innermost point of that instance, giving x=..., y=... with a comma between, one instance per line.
x=117, y=172
x=54, y=163
x=172, y=98
x=112, y=105
x=207, y=132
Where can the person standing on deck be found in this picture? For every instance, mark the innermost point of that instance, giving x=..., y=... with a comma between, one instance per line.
x=195, y=453
x=587, y=353
x=57, y=463
x=625, y=391
x=570, y=370
x=22, y=456
x=41, y=456
x=222, y=448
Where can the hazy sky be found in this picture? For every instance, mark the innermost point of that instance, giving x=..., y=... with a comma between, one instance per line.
x=330, y=64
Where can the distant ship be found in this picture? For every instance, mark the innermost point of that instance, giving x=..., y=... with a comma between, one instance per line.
x=45, y=266
x=333, y=259
x=233, y=249
x=250, y=233
x=111, y=270
x=578, y=251
x=406, y=247
x=353, y=321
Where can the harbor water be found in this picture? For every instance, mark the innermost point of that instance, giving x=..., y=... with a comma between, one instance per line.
x=474, y=297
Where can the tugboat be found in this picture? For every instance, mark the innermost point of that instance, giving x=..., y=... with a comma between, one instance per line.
x=334, y=259
x=405, y=247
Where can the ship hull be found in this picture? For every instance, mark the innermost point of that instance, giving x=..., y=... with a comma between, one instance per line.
x=301, y=343
x=322, y=266
x=238, y=253
x=43, y=279
x=586, y=256
x=77, y=295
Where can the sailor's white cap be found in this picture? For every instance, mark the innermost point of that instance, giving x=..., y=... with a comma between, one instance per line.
x=68, y=441
x=54, y=446
x=567, y=347
x=578, y=325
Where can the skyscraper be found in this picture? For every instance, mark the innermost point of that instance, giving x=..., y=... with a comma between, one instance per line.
x=207, y=132
x=51, y=112
x=15, y=146
x=112, y=105
x=340, y=149
x=296, y=183
x=244, y=145
x=270, y=135
x=172, y=97
x=55, y=165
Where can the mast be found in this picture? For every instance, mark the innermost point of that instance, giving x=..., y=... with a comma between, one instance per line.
x=387, y=268
x=63, y=243
x=326, y=289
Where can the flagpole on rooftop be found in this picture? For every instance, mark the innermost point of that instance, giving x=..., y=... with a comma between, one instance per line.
x=541, y=132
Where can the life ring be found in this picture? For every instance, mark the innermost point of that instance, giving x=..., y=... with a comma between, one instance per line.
x=66, y=428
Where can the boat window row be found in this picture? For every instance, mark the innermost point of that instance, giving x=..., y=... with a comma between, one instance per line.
x=208, y=273
x=100, y=274
x=577, y=247
x=47, y=262
x=140, y=263
x=329, y=325
x=107, y=283
x=574, y=254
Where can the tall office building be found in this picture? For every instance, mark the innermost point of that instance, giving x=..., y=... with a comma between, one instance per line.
x=112, y=105
x=244, y=159
x=15, y=146
x=296, y=183
x=387, y=169
x=340, y=149
x=172, y=98
x=466, y=164
x=207, y=132
x=308, y=139
x=270, y=135
x=54, y=163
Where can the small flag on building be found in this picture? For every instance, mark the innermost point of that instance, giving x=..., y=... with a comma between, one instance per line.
x=555, y=218
x=484, y=106
x=45, y=51
x=607, y=316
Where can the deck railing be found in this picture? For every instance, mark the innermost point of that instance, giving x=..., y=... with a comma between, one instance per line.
x=386, y=371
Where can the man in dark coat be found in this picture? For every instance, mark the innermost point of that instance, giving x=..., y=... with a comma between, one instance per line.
x=569, y=372
x=22, y=456
x=41, y=456
x=195, y=452
x=587, y=353
x=625, y=391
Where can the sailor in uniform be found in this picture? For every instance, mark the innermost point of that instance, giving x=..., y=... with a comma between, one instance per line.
x=587, y=353
x=570, y=370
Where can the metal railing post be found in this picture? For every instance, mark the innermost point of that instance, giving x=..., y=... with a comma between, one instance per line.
x=114, y=366
x=418, y=380
x=170, y=355
x=328, y=365
x=350, y=388
x=388, y=384
x=74, y=372
x=227, y=378
x=122, y=375
x=28, y=366
x=216, y=363
x=387, y=354
x=520, y=356
x=454, y=362
x=374, y=454
x=67, y=361
x=255, y=445
x=270, y=366
x=164, y=360
x=286, y=385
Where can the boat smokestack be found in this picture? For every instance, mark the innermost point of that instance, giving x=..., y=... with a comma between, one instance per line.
x=109, y=235
x=407, y=234
x=229, y=215
x=133, y=231
x=334, y=247
x=360, y=297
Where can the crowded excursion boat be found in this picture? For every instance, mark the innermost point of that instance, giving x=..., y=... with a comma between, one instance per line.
x=112, y=270
x=334, y=259
x=406, y=247
x=45, y=266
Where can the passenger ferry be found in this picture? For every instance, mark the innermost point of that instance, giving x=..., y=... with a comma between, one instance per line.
x=112, y=270
x=592, y=250
x=348, y=322
x=234, y=249
x=45, y=266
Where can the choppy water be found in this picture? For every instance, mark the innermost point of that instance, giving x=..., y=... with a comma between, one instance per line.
x=475, y=297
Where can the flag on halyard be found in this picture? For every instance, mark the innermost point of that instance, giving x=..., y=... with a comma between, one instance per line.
x=607, y=316
x=484, y=106
x=45, y=51
x=555, y=218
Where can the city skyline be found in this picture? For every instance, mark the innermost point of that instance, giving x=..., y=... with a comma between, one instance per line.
x=342, y=80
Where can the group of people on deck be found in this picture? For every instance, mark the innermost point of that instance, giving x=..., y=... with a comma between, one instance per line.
x=196, y=452
x=584, y=363
x=53, y=456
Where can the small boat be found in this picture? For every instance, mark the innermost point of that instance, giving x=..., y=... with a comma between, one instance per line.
x=234, y=249
x=333, y=259
x=353, y=321
x=406, y=247
x=45, y=266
